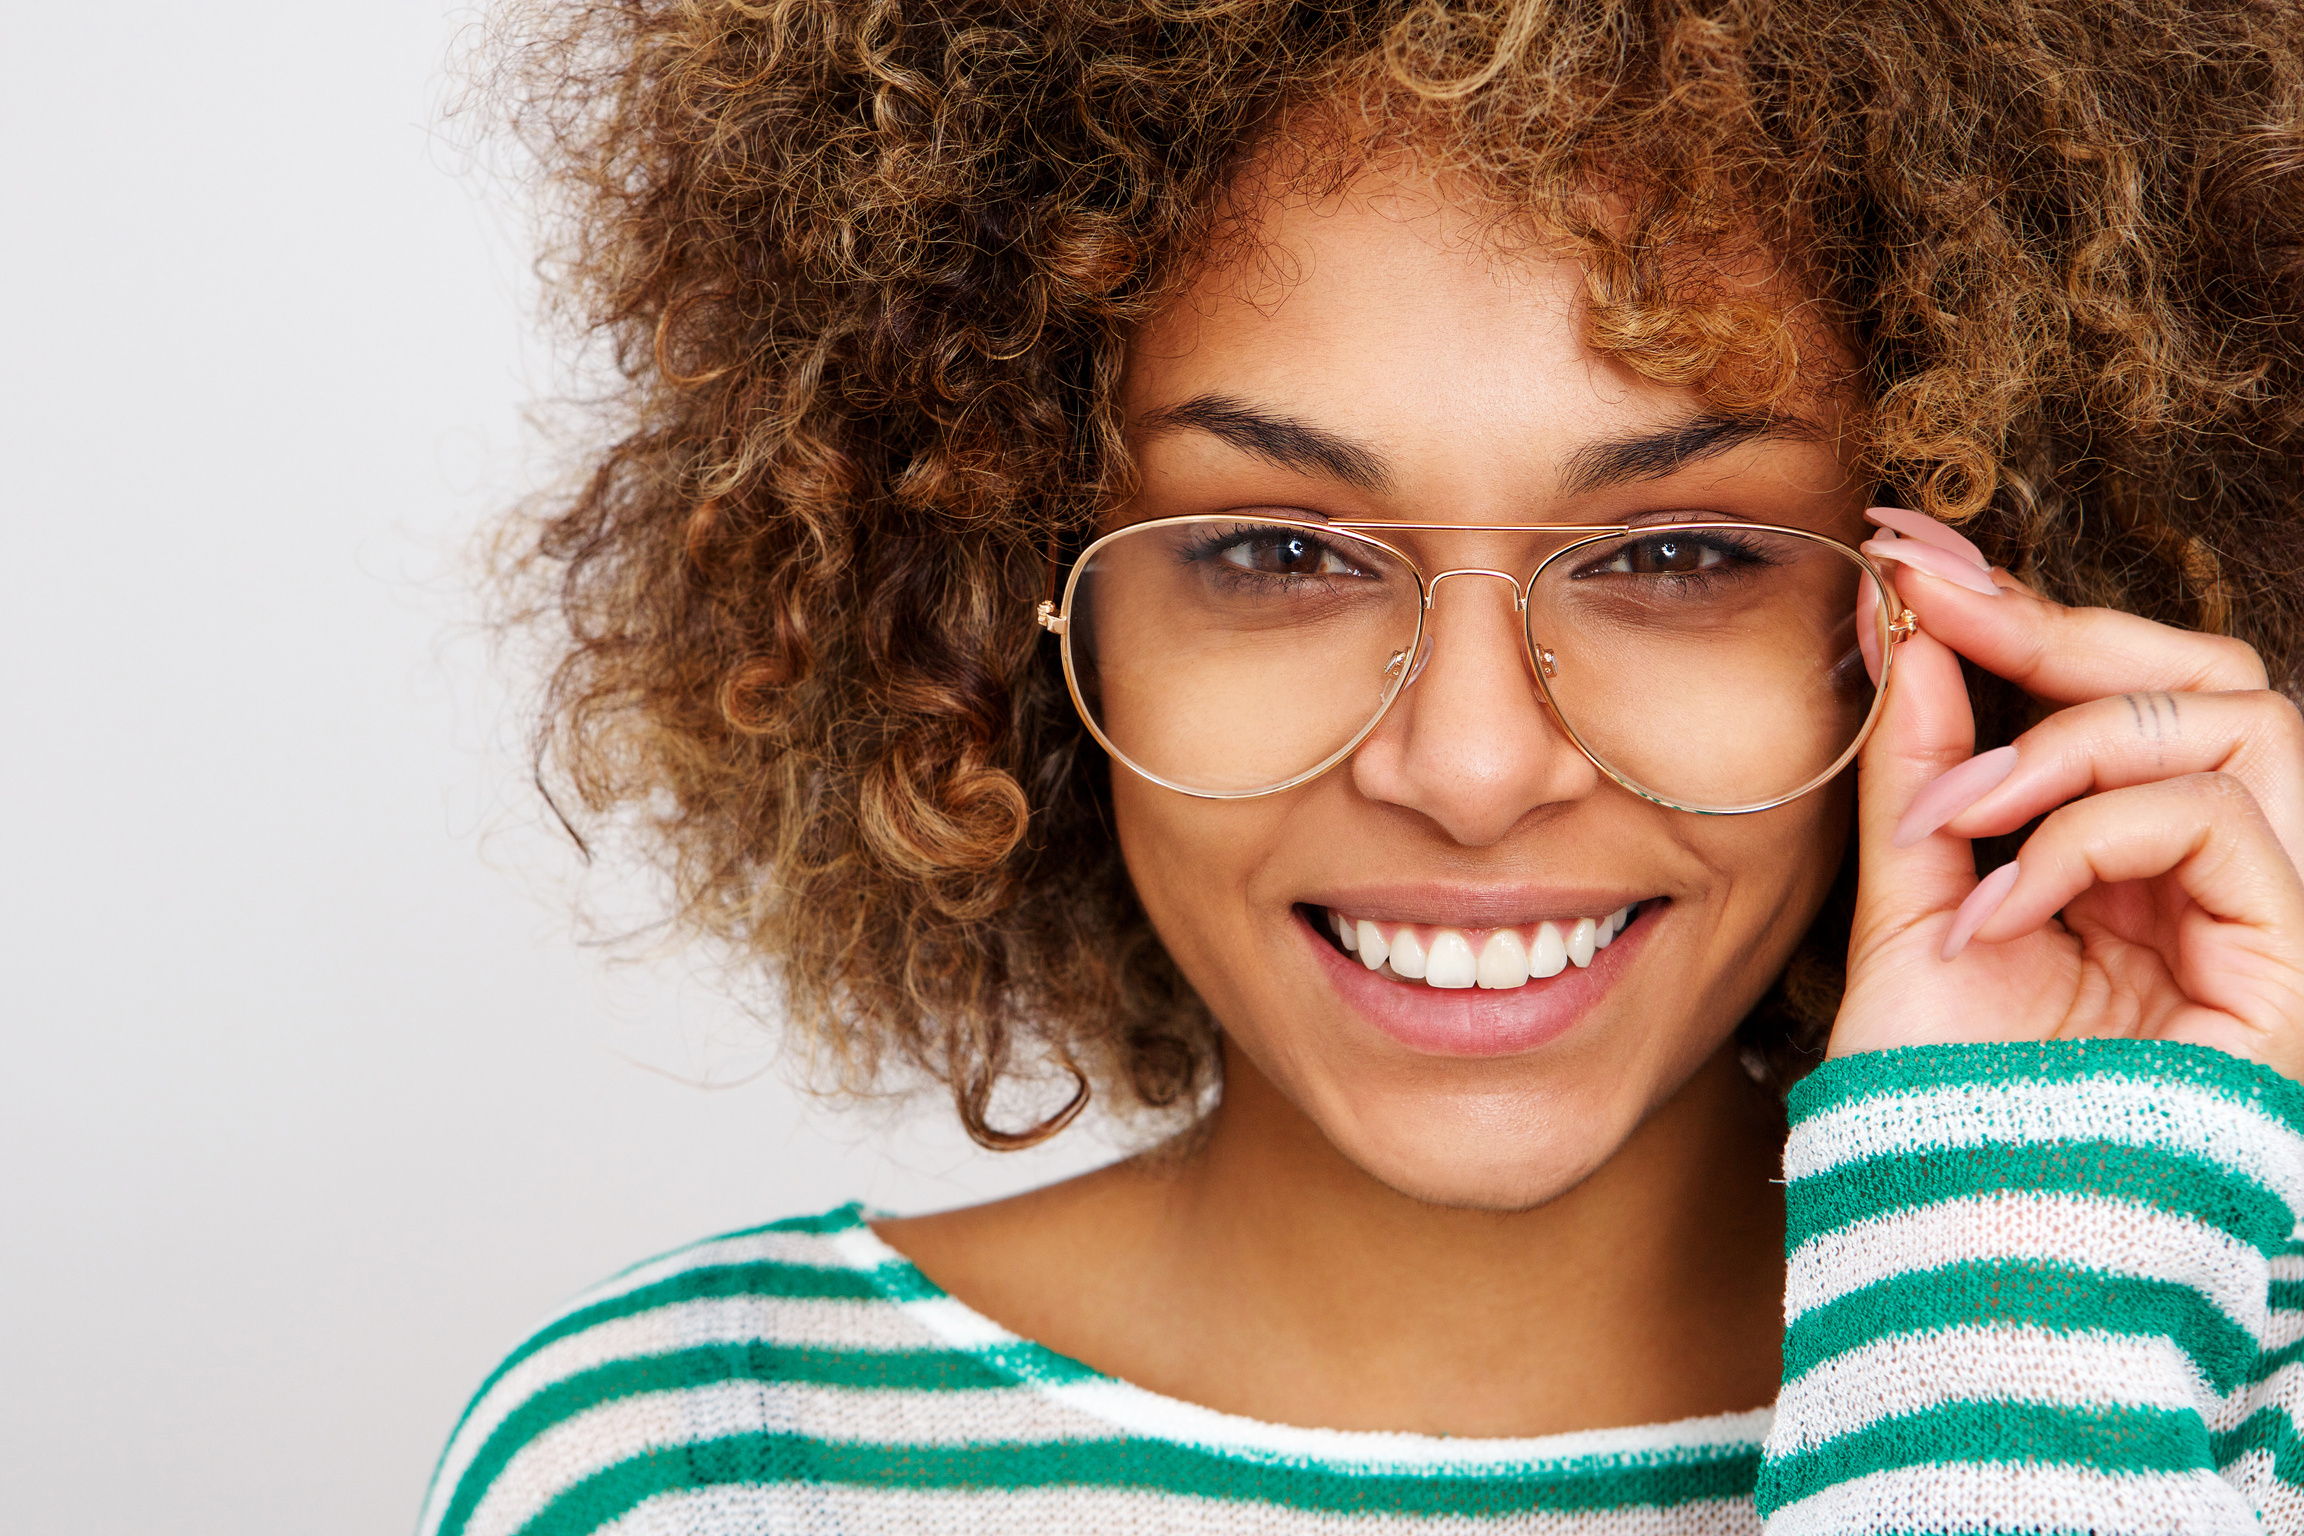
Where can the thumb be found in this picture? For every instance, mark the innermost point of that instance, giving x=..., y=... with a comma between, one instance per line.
x=1926, y=727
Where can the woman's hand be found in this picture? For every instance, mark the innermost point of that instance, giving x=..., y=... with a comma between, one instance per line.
x=2160, y=899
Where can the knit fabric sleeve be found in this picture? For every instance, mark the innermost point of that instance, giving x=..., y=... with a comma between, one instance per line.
x=2041, y=1288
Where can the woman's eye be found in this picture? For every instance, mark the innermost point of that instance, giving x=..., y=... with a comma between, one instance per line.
x=1669, y=555
x=1285, y=554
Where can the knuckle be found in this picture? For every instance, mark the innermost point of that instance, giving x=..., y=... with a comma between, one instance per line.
x=2235, y=665
x=2224, y=790
x=2281, y=720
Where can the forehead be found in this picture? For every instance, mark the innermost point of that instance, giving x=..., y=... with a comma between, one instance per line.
x=1389, y=300
x=1431, y=328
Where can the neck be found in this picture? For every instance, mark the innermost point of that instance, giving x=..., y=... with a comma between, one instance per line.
x=1651, y=1290
x=1263, y=1274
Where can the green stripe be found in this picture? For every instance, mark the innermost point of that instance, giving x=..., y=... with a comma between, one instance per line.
x=1147, y=1466
x=2288, y=1295
x=2060, y=1297
x=830, y=1223
x=2273, y=1361
x=2168, y=1181
x=937, y=1370
x=2267, y=1429
x=2129, y=1440
x=1918, y=1068
x=768, y=1279
x=839, y=1219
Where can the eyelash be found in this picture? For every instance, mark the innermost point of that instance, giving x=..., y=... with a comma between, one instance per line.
x=1736, y=551
x=1216, y=540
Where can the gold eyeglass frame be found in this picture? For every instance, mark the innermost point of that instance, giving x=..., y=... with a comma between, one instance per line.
x=1054, y=614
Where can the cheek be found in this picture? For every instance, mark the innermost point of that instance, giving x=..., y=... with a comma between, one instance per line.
x=1192, y=862
x=1774, y=871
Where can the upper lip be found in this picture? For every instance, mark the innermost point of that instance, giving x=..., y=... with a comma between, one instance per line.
x=1468, y=906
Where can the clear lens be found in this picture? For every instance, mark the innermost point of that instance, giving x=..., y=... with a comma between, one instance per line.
x=1715, y=667
x=1232, y=657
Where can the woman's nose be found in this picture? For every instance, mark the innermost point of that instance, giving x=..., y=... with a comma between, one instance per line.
x=1470, y=742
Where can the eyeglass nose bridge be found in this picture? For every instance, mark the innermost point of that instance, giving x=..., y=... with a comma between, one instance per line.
x=1538, y=655
x=1519, y=593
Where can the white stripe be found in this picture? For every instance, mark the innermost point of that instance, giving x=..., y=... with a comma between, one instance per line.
x=856, y=1511
x=2288, y=1266
x=591, y=1442
x=1152, y=1416
x=2282, y=1391
x=2171, y=1116
x=2279, y=1505
x=1914, y=1372
x=661, y=1330
x=1999, y=1496
x=2111, y=1237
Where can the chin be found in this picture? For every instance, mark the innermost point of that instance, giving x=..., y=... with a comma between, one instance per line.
x=1504, y=1152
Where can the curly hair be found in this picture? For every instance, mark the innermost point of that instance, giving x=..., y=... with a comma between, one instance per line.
x=868, y=271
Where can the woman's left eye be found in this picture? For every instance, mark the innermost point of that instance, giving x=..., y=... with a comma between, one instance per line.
x=1666, y=555
x=1281, y=553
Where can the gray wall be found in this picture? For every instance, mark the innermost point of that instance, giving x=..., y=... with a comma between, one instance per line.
x=311, y=1097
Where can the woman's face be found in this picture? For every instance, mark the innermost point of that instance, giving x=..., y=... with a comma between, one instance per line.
x=1377, y=360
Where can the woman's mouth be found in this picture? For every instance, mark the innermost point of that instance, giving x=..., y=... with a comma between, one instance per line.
x=1496, y=959
x=1493, y=990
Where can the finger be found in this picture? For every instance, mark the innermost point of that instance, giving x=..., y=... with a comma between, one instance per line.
x=2060, y=654
x=2204, y=829
x=1925, y=728
x=2136, y=738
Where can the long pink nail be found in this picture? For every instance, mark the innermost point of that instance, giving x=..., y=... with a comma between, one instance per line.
x=1918, y=525
x=1977, y=910
x=1868, y=628
x=1953, y=791
x=1929, y=560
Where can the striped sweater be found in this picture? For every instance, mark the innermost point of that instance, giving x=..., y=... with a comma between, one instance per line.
x=2050, y=1288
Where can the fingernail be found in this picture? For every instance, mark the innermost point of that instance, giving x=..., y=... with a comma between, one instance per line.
x=1951, y=792
x=1868, y=628
x=1919, y=525
x=1977, y=910
x=1929, y=560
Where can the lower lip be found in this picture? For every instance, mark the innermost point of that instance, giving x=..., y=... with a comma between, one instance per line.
x=1473, y=1021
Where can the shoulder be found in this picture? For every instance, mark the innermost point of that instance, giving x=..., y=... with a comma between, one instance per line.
x=647, y=1383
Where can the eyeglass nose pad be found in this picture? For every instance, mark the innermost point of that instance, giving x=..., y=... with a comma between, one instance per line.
x=1416, y=668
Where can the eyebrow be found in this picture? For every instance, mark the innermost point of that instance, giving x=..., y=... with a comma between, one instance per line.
x=1653, y=455
x=1300, y=446
x=1276, y=439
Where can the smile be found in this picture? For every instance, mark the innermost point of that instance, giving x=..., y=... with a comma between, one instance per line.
x=1496, y=959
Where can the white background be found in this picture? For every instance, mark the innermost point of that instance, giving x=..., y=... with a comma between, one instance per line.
x=311, y=1098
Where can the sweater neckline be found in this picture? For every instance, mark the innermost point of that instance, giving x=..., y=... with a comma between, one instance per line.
x=1152, y=1415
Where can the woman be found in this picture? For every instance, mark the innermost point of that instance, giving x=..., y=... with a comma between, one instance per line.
x=1295, y=571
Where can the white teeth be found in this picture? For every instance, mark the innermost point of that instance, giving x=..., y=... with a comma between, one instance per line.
x=1449, y=963
x=1503, y=961
x=1550, y=956
x=1507, y=957
x=1408, y=954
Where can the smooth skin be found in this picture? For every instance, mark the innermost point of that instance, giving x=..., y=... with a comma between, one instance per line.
x=1585, y=1234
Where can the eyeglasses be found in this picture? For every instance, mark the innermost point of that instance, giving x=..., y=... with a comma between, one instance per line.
x=1714, y=667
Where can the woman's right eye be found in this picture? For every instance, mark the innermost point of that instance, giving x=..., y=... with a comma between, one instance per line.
x=1285, y=552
